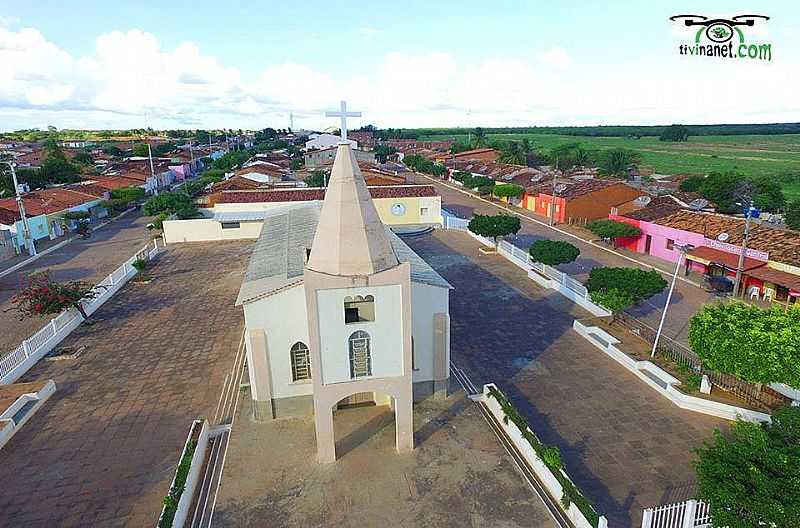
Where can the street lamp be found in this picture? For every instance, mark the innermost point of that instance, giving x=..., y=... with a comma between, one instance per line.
x=26, y=232
x=749, y=212
x=683, y=249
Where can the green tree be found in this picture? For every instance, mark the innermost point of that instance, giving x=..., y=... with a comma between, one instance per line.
x=768, y=194
x=758, y=345
x=131, y=194
x=112, y=150
x=479, y=140
x=750, y=476
x=83, y=157
x=720, y=188
x=792, y=216
x=553, y=252
x=494, y=225
x=608, y=229
x=316, y=179
x=675, y=133
x=140, y=150
x=692, y=184
x=638, y=284
x=511, y=152
x=56, y=168
x=617, y=161
x=382, y=152
x=177, y=203
x=507, y=190
x=613, y=300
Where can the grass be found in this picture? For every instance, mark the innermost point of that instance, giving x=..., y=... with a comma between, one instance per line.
x=775, y=156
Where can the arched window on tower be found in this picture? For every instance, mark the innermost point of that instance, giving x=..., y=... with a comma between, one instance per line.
x=359, y=309
x=360, y=355
x=301, y=362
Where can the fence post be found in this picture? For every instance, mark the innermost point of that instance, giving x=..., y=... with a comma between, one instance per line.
x=26, y=348
x=602, y=522
x=689, y=514
x=647, y=518
x=53, y=326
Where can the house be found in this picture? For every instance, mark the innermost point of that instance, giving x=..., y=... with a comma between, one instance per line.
x=339, y=311
x=7, y=247
x=324, y=141
x=577, y=200
x=263, y=172
x=323, y=157
x=772, y=260
x=364, y=138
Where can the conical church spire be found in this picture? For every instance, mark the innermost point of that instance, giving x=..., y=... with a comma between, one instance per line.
x=350, y=239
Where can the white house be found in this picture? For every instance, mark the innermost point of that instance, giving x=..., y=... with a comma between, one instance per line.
x=323, y=141
x=338, y=310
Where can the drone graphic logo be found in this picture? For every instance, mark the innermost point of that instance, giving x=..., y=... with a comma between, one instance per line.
x=719, y=38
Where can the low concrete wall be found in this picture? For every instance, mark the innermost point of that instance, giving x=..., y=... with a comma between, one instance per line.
x=8, y=427
x=543, y=473
x=193, y=478
x=663, y=382
x=208, y=230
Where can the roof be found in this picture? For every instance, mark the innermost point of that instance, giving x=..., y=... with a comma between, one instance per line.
x=729, y=260
x=279, y=255
x=47, y=201
x=316, y=193
x=782, y=245
x=578, y=189
x=351, y=239
x=775, y=276
x=653, y=212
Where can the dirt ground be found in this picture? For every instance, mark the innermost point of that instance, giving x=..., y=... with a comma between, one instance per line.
x=457, y=475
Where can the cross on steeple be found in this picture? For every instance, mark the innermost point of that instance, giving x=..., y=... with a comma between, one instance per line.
x=343, y=114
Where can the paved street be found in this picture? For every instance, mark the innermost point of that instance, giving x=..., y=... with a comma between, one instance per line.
x=89, y=260
x=102, y=451
x=686, y=299
x=623, y=444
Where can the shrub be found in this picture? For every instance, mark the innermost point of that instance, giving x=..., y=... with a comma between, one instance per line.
x=553, y=252
x=608, y=229
x=636, y=283
x=77, y=215
x=139, y=265
x=42, y=296
x=613, y=300
x=507, y=190
x=758, y=345
x=177, y=203
x=494, y=225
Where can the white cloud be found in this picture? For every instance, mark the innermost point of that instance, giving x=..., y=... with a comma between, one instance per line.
x=556, y=57
x=129, y=74
x=6, y=21
x=368, y=32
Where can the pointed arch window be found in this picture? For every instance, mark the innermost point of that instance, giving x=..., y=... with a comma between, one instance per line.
x=301, y=362
x=360, y=355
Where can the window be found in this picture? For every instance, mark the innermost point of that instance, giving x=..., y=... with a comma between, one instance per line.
x=360, y=355
x=230, y=225
x=670, y=244
x=359, y=309
x=423, y=211
x=301, y=362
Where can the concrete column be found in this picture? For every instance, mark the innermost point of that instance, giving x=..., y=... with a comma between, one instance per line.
x=441, y=353
x=326, y=441
x=260, y=376
x=404, y=423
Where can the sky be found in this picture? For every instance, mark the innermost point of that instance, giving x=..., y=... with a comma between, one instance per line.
x=232, y=64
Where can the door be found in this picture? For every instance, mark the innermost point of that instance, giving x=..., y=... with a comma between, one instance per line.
x=647, y=241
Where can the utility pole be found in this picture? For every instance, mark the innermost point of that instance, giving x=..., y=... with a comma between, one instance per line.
x=553, y=196
x=152, y=171
x=26, y=232
x=740, y=266
x=683, y=250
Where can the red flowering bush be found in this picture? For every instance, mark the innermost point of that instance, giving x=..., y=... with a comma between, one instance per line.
x=42, y=296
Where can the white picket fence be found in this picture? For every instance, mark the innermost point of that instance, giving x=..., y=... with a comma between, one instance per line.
x=31, y=350
x=688, y=514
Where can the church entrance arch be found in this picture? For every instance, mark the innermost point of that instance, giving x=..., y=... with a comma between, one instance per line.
x=364, y=419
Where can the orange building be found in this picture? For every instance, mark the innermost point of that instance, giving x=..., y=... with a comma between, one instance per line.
x=581, y=200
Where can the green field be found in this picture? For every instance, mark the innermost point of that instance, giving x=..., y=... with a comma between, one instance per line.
x=776, y=156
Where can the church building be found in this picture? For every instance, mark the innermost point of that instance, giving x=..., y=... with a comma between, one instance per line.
x=340, y=311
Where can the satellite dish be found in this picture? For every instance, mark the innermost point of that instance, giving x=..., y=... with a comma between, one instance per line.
x=722, y=237
x=643, y=201
x=560, y=188
x=699, y=203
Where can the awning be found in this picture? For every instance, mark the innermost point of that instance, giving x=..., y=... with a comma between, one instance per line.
x=707, y=255
x=781, y=278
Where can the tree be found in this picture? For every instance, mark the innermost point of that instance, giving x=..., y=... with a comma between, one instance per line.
x=613, y=300
x=42, y=296
x=494, y=225
x=675, y=133
x=140, y=150
x=83, y=157
x=382, y=152
x=617, y=161
x=569, y=155
x=507, y=190
x=56, y=168
x=720, y=188
x=768, y=194
x=758, y=345
x=792, y=216
x=553, y=252
x=112, y=150
x=177, y=203
x=480, y=139
x=316, y=179
x=750, y=476
x=129, y=194
x=634, y=282
x=692, y=184
x=511, y=152
x=608, y=229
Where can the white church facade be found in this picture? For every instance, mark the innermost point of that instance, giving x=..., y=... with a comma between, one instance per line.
x=339, y=310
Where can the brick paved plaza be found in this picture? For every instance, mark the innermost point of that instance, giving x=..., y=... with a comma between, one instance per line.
x=624, y=445
x=102, y=451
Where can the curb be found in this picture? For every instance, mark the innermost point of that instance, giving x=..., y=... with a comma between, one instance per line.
x=61, y=244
